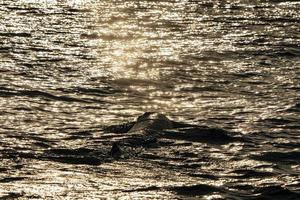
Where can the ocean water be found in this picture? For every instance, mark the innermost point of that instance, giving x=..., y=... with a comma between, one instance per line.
x=70, y=68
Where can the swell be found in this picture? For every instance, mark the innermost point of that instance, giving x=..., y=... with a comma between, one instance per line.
x=203, y=134
x=13, y=34
x=5, y=92
x=243, y=192
x=290, y=157
x=274, y=192
x=79, y=156
x=190, y=190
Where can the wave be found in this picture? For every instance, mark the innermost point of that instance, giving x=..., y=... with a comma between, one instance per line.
x=6, y=92
x=13, y=34
x=275, y=193
x=202, y=134
x=291, y=157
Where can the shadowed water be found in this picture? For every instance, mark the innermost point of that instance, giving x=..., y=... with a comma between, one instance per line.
x=228, y=70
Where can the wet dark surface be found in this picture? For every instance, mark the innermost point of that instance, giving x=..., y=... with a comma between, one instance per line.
x=227, y=72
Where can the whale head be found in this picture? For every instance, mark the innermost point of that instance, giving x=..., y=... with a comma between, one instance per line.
x=152, y=121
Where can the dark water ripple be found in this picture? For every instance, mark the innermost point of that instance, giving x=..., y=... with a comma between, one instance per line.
x=68, y=69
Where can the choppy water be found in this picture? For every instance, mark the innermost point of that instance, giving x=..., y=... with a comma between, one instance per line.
x=68, y=68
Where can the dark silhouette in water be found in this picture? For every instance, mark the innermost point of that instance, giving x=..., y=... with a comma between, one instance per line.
x=152, y=121
x=151, y=126
x=130, y=140
x=115, y=151
x=141, y=133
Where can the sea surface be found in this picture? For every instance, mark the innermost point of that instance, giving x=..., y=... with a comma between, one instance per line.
x=70, y=68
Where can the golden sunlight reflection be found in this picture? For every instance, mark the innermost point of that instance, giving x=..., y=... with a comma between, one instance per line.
x=76, y=75
x=72, y=3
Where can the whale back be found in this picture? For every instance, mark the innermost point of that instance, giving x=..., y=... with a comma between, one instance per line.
x=151, y=121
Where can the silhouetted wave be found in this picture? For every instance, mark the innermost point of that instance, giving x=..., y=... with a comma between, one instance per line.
x=35, y=93
x=203, y=134
x=195, y=190
x=293, y=156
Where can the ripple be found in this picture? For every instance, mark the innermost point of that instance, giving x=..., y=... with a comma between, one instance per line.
x=69, y=69
x=289, y=157
x=275, y=192
x=12, y=34
x=195, y=190
x=207, y=135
